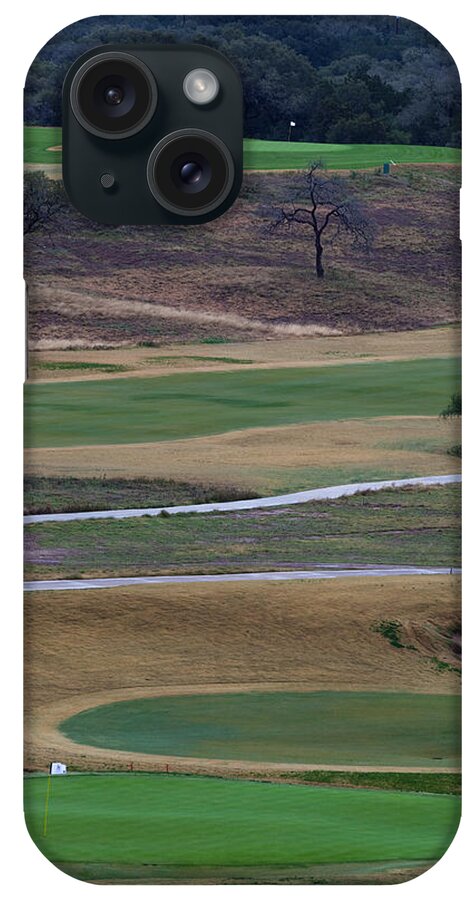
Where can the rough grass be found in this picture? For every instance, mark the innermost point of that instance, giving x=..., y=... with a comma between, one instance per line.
x=408, y=527
x=133, y=410
x=91, y=285
x=67, y=494
x=66, y=364
x=183, y=821
x=268, y=461
x=420, y=782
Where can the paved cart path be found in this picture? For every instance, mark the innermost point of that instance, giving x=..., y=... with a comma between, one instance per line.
x=321, y=573
x=327, y=493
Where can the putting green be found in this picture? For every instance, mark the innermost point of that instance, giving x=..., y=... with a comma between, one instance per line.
x=138, y=410
x=336, y=728
x=180, y=820
x=290, y=155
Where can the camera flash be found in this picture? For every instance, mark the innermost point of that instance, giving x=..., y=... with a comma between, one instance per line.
x=200, y=86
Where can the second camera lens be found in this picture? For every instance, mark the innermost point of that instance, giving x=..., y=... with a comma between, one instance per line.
x=190, y=172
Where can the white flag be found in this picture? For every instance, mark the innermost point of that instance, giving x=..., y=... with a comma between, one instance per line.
x=57, y=768
x=292, y=124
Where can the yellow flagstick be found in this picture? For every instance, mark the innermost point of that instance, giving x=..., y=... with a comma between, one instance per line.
x=45, y=820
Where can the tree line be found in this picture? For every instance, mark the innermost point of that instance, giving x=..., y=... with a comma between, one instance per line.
x=342, y=79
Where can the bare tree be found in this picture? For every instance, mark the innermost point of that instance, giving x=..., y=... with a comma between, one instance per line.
x=332, y=207
x=43, y=201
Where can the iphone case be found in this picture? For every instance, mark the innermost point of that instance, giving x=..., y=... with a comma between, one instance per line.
x=242, y=478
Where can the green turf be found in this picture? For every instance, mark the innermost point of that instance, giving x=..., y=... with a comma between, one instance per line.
x=421, y=782
x=36, y=143
x=318, y=727
x=278, y=154
x=80, y=366
x=289, y=155
x=130, y=410
x=180, y=820
x=417, y=526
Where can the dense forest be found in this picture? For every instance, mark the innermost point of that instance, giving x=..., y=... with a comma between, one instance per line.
x=342, y=79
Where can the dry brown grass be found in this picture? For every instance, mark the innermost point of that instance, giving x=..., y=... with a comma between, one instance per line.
x=84, y=648
x=320, y=351
x=119, y=286
x=270, y=459
x=52, y=170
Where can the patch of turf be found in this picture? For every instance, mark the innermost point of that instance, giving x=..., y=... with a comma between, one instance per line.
x=49, y=494
x=341, y=728
x=419, y=782
x=80, y=366
x=204, y=359
x=417, y=526
x=391, y=631
x=442, y=666
x=179, y=820
x=37, y=140
x=130, y=410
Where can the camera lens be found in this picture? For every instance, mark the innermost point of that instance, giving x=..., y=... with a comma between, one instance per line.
x=190, y=172
x=113, y=95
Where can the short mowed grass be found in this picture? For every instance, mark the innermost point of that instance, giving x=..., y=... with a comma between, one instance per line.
x=297, y=155
x=315, y=727
x=37, y=140
x=136, y=410
x=183, y=820
x=408, y=526
x=277, y=154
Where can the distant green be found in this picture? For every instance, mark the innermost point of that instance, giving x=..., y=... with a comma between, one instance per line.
x=290, y=155
x=37, y=140
x=159, y=819
x=277, y=154
x=132, y=410
x=328, y=727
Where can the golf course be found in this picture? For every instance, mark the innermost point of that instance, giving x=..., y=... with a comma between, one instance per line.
x=43, y=146
x=99, y=826
x=167, y=700
x=242, y=479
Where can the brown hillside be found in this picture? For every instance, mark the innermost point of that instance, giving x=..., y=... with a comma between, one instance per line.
x=90, y=647
x=231, y=279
